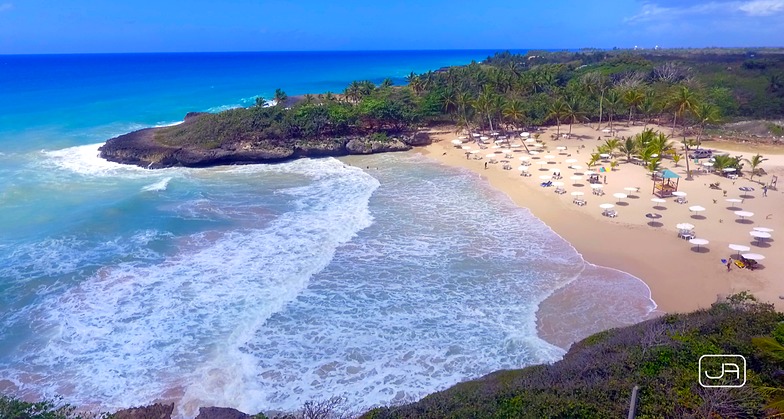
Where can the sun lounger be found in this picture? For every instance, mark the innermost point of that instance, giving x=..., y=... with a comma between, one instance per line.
x=610, y=213
x=681, y=200
x=546, y=184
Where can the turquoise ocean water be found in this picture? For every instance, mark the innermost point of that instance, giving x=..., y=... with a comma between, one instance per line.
x=256, y=287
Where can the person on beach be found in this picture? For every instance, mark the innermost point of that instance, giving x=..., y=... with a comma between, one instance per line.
x=729, y=264
x=605, y=179
x=485, y=165
x=765, y=190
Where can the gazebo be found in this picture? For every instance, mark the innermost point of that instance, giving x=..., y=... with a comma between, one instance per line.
x=665, y=183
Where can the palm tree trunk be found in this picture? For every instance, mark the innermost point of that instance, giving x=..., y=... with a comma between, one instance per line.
x=630, y=116
x=558, y=127
x=601, y=100
x=688, y=168
x=674, y=118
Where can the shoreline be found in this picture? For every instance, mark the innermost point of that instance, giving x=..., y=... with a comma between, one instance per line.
x=679, y=280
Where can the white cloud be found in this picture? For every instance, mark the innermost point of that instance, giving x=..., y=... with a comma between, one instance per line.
x=654, y=11
x=762, y=7
x=6, y=7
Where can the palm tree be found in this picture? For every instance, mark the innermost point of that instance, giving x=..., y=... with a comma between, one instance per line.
x=595, y=157
x=705, y=113
x=352, y=92
x=558, y=111
x=613, y=101
x=280, y=97
x=686, y=146
x=596, y=84
x=514, y=112
x=415, y=82
x=676, y=158
x=754, y=162
x=680, y=102
x=633, y=98
x=611, y=144
x=723, y=161
x=660, y=144
x=773, y=350
x=260, y=102
x=386, y=83
x=647, y=108
x=574, y=113
x=654, y=165
x=628, y=147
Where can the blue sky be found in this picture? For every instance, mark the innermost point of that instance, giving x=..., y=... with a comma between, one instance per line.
x=83, y=26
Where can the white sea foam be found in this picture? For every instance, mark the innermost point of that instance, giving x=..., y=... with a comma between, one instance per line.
x=135, y=331
x=86, y=160
x=158, y=186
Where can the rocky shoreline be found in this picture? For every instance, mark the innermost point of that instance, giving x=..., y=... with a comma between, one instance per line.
x=140, y=148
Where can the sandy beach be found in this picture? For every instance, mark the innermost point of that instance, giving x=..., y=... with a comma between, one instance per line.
x=681, y=277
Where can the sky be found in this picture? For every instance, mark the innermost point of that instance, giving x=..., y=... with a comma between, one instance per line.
x=100, y=26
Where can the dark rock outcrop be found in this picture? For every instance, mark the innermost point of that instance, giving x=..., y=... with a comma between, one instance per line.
x=221, y=413
x=140, y=148
x=155, y=411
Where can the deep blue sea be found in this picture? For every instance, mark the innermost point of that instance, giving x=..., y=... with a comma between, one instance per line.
x=257, y=287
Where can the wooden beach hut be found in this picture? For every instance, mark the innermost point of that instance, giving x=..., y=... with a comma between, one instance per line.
x=665, y=183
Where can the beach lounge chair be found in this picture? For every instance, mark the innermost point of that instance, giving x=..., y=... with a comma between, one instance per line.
x=681, y=200
x=546, y=184
x=739, y=263
x=686, y=234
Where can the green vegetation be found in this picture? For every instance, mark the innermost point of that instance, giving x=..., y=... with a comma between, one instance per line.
x=688, y=88
x=596, y=377
x=17, y=409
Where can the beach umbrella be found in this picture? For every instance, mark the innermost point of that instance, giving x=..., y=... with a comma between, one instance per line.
x=533, y=152
x=457, y=142
x=739, y=248
x=696, y=209
x=549, y=157
x=475, y=151
x=499, y=141
x=753, y=256
x=466, y=147
x=494, y=133
x=759, y=234
x=530, y=140
x=763, y=229
x=578, y=193
x=596, y=186
x=523, y=168
x=524, y=134
x=679, y=194
x=630, y=189
x=620, y=196
x=685, y=226
x=515, y=145
x=746, y=188
x=475, y=135
x=559, y=183
x=523, y=158
x=653, y=215
x=536, y=145
x=576, y=177
x=606, y=130
x=542, y=163
x=658, y=200
x=606, y=206
x=560, y=148
x=707, y=164
x=570, y=161
x=590, y=172
x=744, y=214
x=545, y=177
x=555, y=169
x=699, y=242
x=496, y=146
x=734, y=200
x=729, y=169
x=491, y=156
x=483, y=138
x=604, y=155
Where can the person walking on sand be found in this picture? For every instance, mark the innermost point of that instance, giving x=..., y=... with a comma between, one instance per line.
x=765, y=190
x=485, y=165
x=729, y=264
x=605, y=179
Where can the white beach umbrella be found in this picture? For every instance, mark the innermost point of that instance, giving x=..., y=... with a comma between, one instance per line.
x=578, y=193
x=496, y=146
x=523, y=158
x=685, y=226
x=570, y=161
x=533, y=152
x=466, y=147
x=760, y=234
x=499, y=141
x=679, y=194
x=475, y=151
x=696, y=208
x=729, y=169
x=457, y=142
x=590, y=172
x=699, y=242
x=491, y=156
x=620, y=196
x=515, y=145
x=549, y=157
x=596, y=186
x=561, y=148
x=555, y=169
x=606, y=206
x=530, y=140
x=653, y=215
x=576, y=177
x=545, y=177
x=494, y=133
x=559, y=183
x=604, y=155
x=475, y=135
x=763, y=229
x=734, y=200
x=744, y=214
x=707, y=164
x=542, y=163
x=523, y=168
x=524, y=134
x=577, y=167
x=753, y=256
x=483, y=138
x=536, y=145
x=658, y=200
x=630, y=189
x=606, y=130
x=739, y=248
